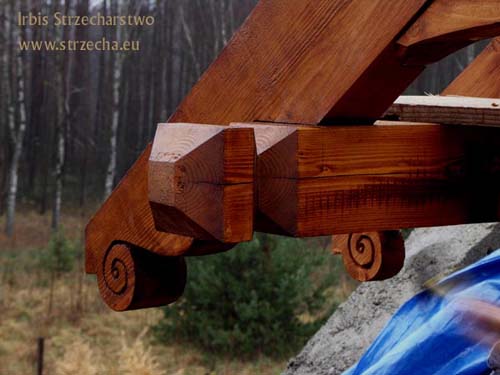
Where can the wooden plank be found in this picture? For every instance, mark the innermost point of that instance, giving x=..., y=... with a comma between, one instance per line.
x=201, y=181
x=482, y=77
x=458, y=110
x=333, y=180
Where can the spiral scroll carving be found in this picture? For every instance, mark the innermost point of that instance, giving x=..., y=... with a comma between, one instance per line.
x=115, y=269
x=361, y=249
x=131, y=278
x=371, y=255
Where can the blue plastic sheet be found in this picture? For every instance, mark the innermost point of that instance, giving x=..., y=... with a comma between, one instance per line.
x=433, y=333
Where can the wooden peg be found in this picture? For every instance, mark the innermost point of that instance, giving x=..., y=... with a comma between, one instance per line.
x=201, y=181
x=371, y=256
x=132, y=278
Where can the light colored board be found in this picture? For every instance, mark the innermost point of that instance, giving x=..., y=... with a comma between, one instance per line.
x=457, y=110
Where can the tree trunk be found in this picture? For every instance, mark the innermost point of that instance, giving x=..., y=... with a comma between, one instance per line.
x=17, y=137
x=111, y=171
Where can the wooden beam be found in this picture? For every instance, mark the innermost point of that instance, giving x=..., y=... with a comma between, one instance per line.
x=447, y=110
x=447, y=26
x=126, y=217
x=449, y=20
x=315, y=181
x=293, y=60
x=281, y=65
x=201, y=181
x=371, y=256
x=481, y=77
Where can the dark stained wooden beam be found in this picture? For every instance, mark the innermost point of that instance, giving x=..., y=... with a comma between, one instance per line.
x=481, y=77
x=315, y=181
x=458, y=110
x=201, y=180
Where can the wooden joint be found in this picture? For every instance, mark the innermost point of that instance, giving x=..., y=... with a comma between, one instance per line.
x=446, y=26
x=314, y=181
x=201, y=181
x=370, y=256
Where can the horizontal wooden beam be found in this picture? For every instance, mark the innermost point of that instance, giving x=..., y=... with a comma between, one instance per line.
x=315, y=181
x=201, y=181
x=447, y=110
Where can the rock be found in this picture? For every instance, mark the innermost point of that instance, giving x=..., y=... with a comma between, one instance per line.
x=357, y=322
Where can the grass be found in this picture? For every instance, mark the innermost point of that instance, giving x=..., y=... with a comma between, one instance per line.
x=82, y=335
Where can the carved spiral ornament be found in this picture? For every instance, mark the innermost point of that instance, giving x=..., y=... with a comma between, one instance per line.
x=371, y=255
x=361, y=249
x=115, y=269
x=131, y=278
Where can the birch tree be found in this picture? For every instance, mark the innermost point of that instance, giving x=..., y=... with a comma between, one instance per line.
x=63, y=115
x=16, y=119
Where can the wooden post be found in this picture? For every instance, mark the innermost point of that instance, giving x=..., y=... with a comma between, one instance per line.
x=40, y=343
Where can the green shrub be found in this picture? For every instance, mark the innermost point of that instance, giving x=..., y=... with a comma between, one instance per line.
x=60, y=254
x=262, y=297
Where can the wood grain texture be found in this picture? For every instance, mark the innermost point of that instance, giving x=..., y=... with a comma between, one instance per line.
x=370, y=256
x=201, y=181
x=298, y=61
x=125, y=216
x=449, y=20
x=482, y=77
x=132, y=278
x=283, y=64
x=293, y=60
x=459, y=110
x=343, y=179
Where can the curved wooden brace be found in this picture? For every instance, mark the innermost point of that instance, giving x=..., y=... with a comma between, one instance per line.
x=132, y=278
x=446, y=26
x=449, y=20
x=370, y=256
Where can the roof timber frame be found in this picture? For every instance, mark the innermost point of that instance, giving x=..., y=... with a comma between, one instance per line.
x=295, y=62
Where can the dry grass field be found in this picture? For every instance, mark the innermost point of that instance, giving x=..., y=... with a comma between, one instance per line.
x=82, y=336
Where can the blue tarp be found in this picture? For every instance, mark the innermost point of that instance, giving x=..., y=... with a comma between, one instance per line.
x=434, y=334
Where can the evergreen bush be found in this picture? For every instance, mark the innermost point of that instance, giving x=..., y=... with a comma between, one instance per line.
x=266, y=297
